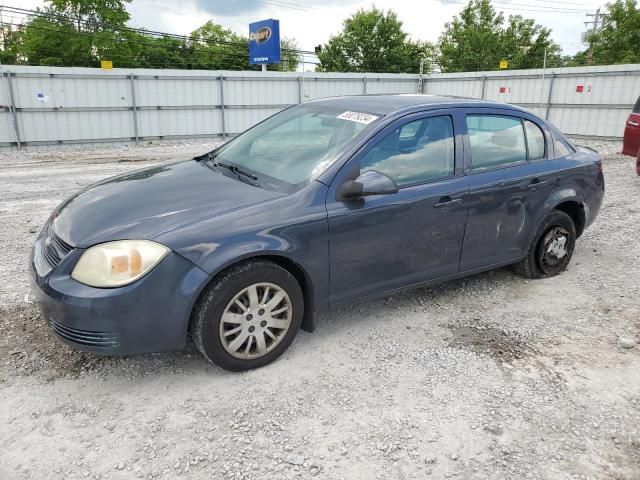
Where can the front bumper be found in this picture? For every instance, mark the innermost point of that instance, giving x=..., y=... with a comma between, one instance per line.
x=149, y=315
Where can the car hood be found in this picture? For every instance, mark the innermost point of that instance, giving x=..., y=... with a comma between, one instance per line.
x=146, y=203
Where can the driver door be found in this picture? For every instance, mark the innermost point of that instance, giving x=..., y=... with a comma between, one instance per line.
x=381, y=243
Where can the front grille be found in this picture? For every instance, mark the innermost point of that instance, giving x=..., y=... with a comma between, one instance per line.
x=54, y=249
x=85, y=337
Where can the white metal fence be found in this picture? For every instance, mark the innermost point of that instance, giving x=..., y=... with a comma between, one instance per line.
x=581, y=101
x=44, y=105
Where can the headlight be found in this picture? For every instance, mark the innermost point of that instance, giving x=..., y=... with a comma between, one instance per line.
x=114, y=264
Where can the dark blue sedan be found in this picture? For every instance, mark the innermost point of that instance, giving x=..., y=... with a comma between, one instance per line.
x=332, y=201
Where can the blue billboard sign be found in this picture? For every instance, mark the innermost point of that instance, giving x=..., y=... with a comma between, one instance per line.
x=264, y=42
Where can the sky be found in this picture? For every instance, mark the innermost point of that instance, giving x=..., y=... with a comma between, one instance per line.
x=312, y=22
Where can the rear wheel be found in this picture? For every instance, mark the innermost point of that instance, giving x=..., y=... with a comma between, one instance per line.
x=551, y=249
x=249, y=316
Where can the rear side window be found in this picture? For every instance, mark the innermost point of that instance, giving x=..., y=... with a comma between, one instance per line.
x=535, y=140
x=496, y=141
x=636, y=108
x=561, y=148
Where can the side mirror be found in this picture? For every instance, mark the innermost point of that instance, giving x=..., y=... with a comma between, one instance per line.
x=370, y=182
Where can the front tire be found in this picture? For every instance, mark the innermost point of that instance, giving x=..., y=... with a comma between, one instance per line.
x=249, y=316
x=551, y=249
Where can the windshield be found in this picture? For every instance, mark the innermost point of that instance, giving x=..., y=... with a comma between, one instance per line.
x=295, y=145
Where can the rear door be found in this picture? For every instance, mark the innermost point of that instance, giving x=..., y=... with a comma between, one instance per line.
x=511, y=173
x=631, y=144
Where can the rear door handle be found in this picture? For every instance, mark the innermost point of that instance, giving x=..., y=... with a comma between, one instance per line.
x=535, y=184
x=447, y=202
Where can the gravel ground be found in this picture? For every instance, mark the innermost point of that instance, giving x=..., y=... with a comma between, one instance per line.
x=490, y=377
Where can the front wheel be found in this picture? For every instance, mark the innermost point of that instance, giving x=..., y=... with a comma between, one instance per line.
x=551, y=249
x=248, y=316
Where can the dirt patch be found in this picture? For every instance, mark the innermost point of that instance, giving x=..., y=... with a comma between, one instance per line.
x=500, y=344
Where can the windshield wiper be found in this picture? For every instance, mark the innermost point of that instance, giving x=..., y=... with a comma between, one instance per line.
x=247, y=180
x=235, y=169
x=242, y=175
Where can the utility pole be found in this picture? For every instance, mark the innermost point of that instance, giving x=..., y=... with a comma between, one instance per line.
x=421, y=79
x=596, y=23
x=12, y=103
x=544, y=68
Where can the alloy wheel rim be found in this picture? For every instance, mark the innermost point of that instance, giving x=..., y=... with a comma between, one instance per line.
x=554, y=250
x=255, y=321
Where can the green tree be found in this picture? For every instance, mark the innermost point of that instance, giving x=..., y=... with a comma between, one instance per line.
x=480, y=37
x=55, y=42
x=214, y=47
x=77, y=32
x=372, y=41
x=618, y=41
x=289, y=56
x=146, y=51
x=9, y=44
x=92, y=15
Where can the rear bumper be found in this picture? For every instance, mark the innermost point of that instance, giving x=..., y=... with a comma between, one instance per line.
x=150, y=315
x=593, y=199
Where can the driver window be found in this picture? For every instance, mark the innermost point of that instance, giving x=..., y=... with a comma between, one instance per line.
x=417, y=152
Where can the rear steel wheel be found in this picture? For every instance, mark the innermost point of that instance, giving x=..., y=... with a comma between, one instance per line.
x=551, y=248
x=255, y=321
x=553, y=251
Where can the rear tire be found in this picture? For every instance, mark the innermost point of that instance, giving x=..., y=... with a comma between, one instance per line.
x=248, y=316
x=551, y=249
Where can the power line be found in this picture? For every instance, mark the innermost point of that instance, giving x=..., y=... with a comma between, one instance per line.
x=525, y=7
x=48, y=15
x=558, y=2
x=376, y=66
x=184, y=38
x=291, y=5
x=144, y=41
x=553, y=2
x=236, y=50
x=380, y=66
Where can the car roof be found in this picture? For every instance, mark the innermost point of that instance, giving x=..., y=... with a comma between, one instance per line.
x=388, y=104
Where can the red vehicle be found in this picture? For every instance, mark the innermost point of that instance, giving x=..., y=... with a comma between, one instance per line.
x=631, y=143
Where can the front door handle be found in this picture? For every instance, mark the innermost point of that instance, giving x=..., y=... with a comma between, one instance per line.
x=537, y=183
x=447, y=202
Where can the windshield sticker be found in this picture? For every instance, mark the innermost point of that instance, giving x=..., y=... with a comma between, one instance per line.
x=359, y=117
